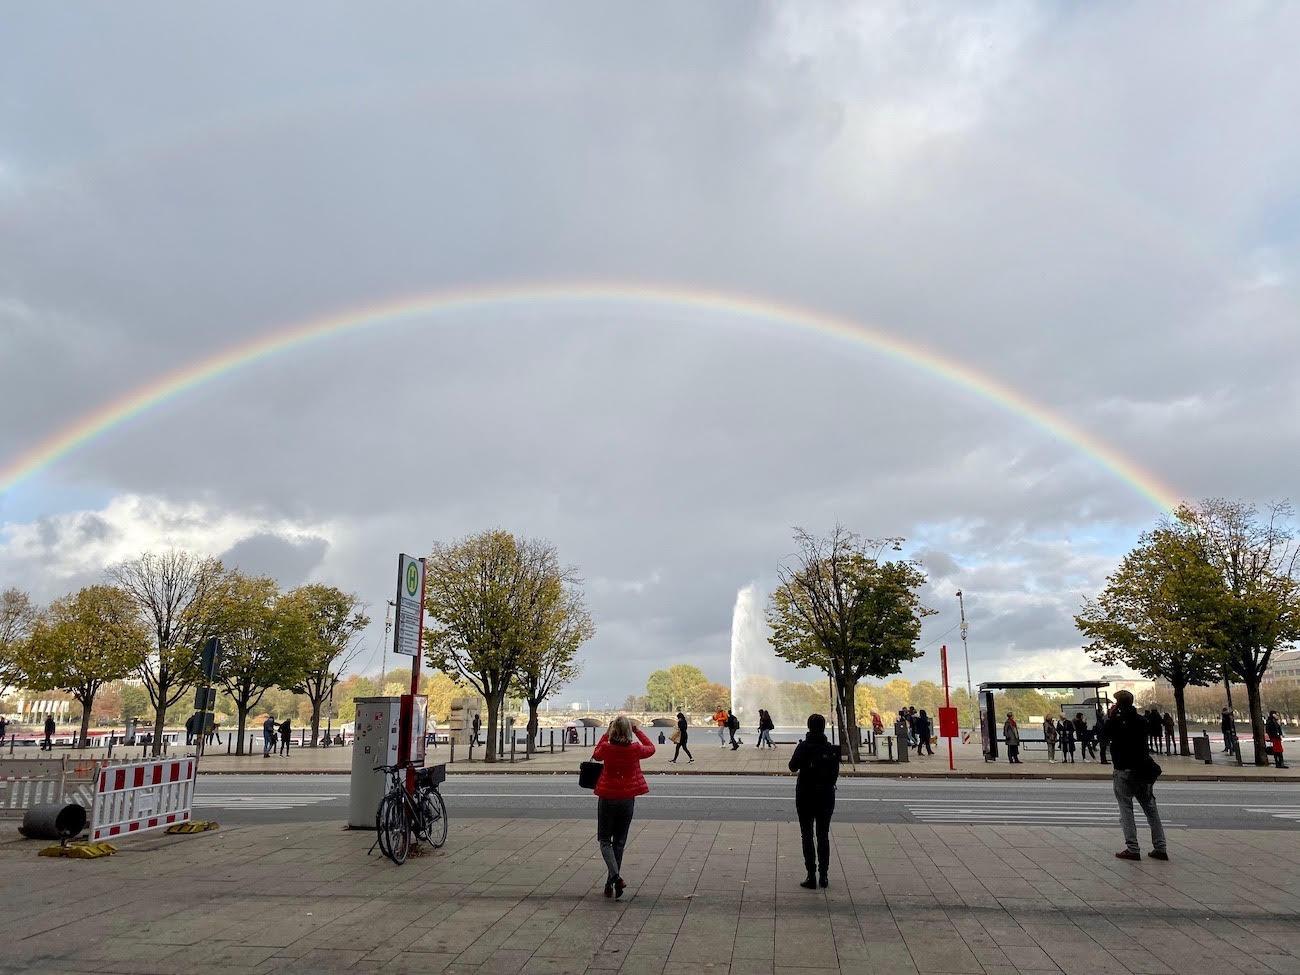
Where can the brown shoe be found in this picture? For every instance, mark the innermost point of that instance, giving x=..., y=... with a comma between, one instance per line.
x=1128, y=855
x=1158, y=855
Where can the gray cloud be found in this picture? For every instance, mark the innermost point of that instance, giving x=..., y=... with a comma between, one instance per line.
x=1096, y=208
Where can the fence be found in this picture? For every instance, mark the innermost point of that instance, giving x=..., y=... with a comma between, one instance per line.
x=27, y=782
x=142, y=796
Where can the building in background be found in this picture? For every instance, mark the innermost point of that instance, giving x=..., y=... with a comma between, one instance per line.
x=1285, y=666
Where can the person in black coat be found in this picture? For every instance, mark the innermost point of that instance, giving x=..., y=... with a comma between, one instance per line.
x=1132, y=771
x=682, y=737
x=923, y=732
x=1065, y=739
x=817, y=763
x=1228, y=725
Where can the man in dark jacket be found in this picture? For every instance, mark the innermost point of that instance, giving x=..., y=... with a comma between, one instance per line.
x=268, y=736
x=1127, y=732
x=733, y=725
x=817, y=762
x=1228, y=725
x=47, y=744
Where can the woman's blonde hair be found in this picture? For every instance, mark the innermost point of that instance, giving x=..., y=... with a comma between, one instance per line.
x=620, y=730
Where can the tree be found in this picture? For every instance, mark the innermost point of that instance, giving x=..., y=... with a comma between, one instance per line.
x=842, y=608
x=679, y=687
x=17, y=614
x=712, y=697
x=82, y=642
x=560, y=624
x=332, y=620
x=1149, y=616
x=264, y=642
x=176, y=597
x=482, y=594
x=1255, y=608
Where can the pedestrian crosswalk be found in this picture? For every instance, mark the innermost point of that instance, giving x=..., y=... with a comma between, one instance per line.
x=1025, y=812
x=1277, y=812
x=267, y=800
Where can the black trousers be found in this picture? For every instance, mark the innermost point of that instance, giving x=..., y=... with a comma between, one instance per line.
x=613, y=820
x=681, y=747
x=815, y=818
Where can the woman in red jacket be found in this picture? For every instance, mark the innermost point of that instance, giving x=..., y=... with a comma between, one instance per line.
x=619, y=784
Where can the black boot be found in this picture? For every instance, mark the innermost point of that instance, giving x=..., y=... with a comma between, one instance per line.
x=810, y=883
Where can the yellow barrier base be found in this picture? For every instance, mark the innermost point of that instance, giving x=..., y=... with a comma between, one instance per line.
x=80, y=851
x=194, y=826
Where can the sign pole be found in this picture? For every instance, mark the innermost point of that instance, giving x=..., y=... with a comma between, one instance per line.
x=947, y=702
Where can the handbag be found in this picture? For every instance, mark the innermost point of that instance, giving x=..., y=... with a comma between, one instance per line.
x=589, y=774
x=675, y=737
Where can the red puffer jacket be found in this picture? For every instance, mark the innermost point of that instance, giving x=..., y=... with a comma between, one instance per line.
x=622, y=778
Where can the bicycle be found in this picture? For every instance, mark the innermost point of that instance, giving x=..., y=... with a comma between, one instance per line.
x=400, y=814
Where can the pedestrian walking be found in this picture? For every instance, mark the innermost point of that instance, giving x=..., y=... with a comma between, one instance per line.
x=1065, y=738
x=285, y=734
x=1011, y=734
x=1049, y=736
x=817, y=763
x=720, y=719
x=1081, y=735
x=923, y=730
x=680, y=739
x=1168, y=721
x=1134, y=774
x=214, y=731
x=765, y=726
x=1099, y=733
x=190, y=723
x=4, y=728
x=475, y=725
x=911, y=726
x=620, y=782
x=733, y=725
x=1273, y=728
x=1155, y=730
x=268, y=735
x=1228, y=725
x=47, y=744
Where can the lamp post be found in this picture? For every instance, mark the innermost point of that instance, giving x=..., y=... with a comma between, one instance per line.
x=970, y=691
x=383, y=650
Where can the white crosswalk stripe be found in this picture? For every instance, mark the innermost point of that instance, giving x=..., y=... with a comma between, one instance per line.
x=270, y=800
x=1024, y=813
x=1277, y=812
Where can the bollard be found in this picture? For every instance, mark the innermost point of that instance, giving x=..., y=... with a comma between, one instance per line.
x=562, y=741
x=512, y=748
x=451, y=744
x=552, y=741
x=228, y=738
x=889, y=743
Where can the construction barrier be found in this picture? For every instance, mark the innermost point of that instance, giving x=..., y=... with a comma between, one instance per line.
x=29, y=782
x=142, y=796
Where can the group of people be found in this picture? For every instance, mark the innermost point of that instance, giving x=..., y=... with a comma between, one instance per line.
x=728, y=726
x=1065, y=737
x=270, y=732
x=623, y=748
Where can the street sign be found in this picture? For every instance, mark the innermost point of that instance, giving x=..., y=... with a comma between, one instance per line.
x=205, y=699
x=208, y=660
x=410, y=606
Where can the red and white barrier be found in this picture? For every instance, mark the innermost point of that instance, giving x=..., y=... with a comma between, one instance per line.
x=142, y=796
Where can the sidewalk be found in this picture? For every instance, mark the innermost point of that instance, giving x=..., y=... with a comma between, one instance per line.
x=509, y=896
x=710, y=759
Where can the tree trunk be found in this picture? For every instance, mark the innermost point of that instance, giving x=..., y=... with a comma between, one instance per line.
x=532, y=724
x=853, y=735
x=160, y=716
x=1256, y=717
x=242, y=712
x=1180, y=712
x=494, y=703
x=315, y=720
x=84, y=738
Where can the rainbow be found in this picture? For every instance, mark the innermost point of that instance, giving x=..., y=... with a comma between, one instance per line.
x=667, y=298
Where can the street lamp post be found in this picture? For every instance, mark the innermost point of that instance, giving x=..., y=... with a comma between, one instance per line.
x=970, y=691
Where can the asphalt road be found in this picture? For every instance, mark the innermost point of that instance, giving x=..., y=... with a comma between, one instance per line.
x=308, y=798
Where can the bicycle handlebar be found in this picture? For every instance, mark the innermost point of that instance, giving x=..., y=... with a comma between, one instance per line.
x=393, y=768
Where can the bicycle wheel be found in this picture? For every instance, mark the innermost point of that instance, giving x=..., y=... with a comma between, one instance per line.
x=394, y=829
x=433, y=812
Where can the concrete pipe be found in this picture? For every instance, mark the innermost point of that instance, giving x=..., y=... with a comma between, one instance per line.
x=54, y=821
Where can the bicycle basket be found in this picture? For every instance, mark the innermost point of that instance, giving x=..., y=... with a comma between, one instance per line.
x=431, y=777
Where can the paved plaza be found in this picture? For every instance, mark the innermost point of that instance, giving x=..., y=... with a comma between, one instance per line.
x=522, y=896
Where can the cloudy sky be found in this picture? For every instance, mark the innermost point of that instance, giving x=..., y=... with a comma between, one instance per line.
x=1096, y=207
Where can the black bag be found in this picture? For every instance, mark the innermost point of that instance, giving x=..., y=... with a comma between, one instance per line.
x=589, y=774
x=1150, y=771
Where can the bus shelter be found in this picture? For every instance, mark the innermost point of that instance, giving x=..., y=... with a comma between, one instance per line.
x=1085, y=695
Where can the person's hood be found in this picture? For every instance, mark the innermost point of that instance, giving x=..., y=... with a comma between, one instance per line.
x=816, y=737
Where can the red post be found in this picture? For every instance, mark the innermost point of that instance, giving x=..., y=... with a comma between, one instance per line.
x=947, y=702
